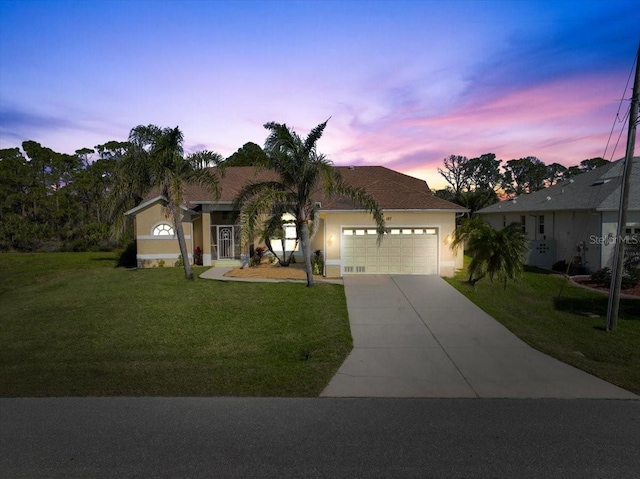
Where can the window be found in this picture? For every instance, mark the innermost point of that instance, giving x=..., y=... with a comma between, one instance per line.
x=523, y=223
x=163, y=229
x=290, y=232
x=541, y=224
x=504, y=221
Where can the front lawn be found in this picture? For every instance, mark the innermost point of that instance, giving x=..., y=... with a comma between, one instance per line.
x=73, y=325
x=559, y=319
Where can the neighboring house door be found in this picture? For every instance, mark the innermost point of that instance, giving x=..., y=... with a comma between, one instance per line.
x=403, y=251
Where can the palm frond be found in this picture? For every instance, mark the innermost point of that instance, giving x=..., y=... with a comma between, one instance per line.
x=362, y=198
x=314, y=135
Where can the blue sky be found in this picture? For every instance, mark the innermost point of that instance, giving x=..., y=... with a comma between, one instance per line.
x=405, y=83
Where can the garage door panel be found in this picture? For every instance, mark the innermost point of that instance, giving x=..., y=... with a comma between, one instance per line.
x=406, y=251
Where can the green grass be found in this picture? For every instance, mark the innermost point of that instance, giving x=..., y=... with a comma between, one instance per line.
x=553, y=316
x=73, y=325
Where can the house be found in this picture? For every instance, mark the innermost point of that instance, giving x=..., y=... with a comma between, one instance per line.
x=575, y=220
x=419, y=226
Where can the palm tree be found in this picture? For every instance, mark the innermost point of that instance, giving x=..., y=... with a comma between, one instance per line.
x=496, y=253
x=155, y=159
x=302, y=173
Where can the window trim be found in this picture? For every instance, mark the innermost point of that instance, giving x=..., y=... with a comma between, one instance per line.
x=171, y=230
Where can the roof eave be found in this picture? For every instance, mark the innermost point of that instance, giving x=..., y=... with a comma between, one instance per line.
x=412, y=210
x=145, y=204
x=149, y=202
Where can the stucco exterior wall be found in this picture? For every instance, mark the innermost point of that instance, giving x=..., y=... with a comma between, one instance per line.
x=571, y=232
x=151, y=249
x=606, y=240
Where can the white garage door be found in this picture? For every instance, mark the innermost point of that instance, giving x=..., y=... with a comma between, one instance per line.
x=403, y=251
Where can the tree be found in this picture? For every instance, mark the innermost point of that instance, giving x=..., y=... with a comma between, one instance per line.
x=571, y=172
x=494, y=253
x=302, y=172
x=592, y=163
x=14, y=183
x=524, y=175
x=456, y=172
x=483, y=173
x=477, y=199
x=472, y=182
x=249, y=155
x=555, y=173
x=156, y=160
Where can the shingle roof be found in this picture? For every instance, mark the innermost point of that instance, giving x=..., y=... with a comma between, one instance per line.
x=596, y=190
x=392, y=190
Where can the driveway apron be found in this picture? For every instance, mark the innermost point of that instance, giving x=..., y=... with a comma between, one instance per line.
x=417, y=336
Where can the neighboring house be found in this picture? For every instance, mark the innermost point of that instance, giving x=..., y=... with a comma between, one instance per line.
x=575, y=220
x=419, y=226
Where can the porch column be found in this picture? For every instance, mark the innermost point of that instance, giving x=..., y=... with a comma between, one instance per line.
x=206, y=238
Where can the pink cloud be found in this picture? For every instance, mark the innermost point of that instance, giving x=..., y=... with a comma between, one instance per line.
x=562, y=121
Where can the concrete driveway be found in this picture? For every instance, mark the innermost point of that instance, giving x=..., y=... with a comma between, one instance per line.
x=416, y=336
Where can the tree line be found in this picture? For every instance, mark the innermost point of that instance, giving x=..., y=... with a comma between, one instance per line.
x=51, y=201
x=479, y=182
x=75, y=202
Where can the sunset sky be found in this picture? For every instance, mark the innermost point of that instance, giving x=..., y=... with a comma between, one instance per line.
x=406, y=83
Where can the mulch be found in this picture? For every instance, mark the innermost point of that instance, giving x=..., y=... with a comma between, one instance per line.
x=587, y=283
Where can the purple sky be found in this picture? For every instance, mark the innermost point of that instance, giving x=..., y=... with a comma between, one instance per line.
x=406, y=83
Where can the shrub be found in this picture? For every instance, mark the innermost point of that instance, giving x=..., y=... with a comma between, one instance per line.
x=127, y=258
x=317, y=262
x=197, y=256
x=631, y=279
x=573, y=269
x=255, y=260
x=602, y=276
x=180, y=262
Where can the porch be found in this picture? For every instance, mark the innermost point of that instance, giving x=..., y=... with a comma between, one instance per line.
x=225, y=246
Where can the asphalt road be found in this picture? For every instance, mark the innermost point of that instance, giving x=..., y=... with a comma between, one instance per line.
x=275, y=437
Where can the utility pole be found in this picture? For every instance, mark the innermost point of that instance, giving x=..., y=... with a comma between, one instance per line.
x=618, y=257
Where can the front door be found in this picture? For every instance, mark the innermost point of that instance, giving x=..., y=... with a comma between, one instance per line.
x=226, y=245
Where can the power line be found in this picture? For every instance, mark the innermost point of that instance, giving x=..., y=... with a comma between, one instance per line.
x=616, y=119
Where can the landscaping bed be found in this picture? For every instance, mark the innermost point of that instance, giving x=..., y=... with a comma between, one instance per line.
x=272, y=271
x=587, y=282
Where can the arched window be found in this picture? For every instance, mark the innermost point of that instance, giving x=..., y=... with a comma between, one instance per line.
x=163, y=229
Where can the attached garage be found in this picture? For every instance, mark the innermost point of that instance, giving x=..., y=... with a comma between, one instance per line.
x=403, y=251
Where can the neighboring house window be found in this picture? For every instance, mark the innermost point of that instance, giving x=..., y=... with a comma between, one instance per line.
x=523, y=223
x=163, y=229
x=504, y=221
x=541, y=224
